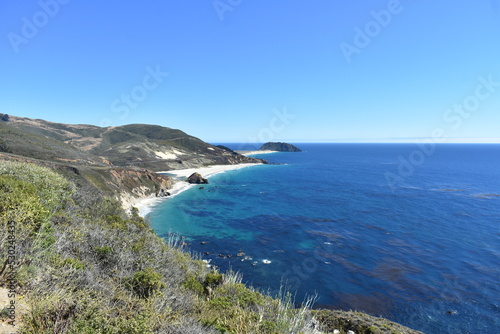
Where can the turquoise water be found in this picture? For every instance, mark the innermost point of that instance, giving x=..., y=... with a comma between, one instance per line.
x=417, y=243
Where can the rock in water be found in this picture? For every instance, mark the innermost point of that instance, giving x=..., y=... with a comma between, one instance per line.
x=280, y=147
x=197, y=179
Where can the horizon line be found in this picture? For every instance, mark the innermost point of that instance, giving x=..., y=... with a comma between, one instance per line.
x=415, y=141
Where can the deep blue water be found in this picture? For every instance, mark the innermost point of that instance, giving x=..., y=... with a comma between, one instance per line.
x=418, y=243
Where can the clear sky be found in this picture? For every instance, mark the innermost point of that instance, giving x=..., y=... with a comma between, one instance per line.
x=258, y=70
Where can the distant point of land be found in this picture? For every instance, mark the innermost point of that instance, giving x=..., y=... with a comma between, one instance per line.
x=280, y=147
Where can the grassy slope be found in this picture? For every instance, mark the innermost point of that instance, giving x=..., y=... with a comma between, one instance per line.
x=27, y=142
x=84, y=266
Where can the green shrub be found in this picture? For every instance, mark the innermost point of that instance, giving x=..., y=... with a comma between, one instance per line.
x=96, y=321
x=26, y=273
x=115, y=221
x=221, y=303
x=213, y=279
x=145, y=282
x=194, y=285
x=75, y=263
x=21, y=204
x=46, y=236
x=103, y=252
x=239, y=295
x=269, y=327
x=53, y=189
x=30, y=195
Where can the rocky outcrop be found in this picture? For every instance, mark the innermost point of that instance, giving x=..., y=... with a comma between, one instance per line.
x=335, y=321
x=280, y=147
x=196, y=178
x=162, y=193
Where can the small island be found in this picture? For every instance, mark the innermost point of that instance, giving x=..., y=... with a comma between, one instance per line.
x=279, y=147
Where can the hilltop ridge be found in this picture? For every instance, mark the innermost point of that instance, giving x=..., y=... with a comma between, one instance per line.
x=152, y=147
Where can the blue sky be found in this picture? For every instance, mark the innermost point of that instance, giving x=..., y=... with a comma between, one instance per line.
x=259, y=70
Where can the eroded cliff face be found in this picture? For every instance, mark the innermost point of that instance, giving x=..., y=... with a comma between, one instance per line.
x=128, y=185
x=130, y=180
x=134, y=185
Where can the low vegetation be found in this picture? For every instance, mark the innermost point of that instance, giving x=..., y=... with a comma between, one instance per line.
x=83, y=265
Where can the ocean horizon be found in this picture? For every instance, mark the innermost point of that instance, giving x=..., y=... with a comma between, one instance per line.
x=407, y=232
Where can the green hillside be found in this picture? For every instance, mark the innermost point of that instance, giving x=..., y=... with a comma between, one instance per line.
x=137, y=145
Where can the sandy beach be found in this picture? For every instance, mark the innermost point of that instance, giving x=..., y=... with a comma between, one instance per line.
x=145, y=205
x=247, y=153
x=205, y=171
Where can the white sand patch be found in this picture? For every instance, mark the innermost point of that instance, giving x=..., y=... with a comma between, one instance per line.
x=166, y=155
x=146, y=205
x=178, y=152
x=247, y=153
x=128, y=200
x=205, y=171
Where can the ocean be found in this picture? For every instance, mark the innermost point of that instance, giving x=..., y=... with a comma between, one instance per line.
x=410, y=233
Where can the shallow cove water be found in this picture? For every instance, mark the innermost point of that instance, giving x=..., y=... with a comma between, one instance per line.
x=424, y=252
